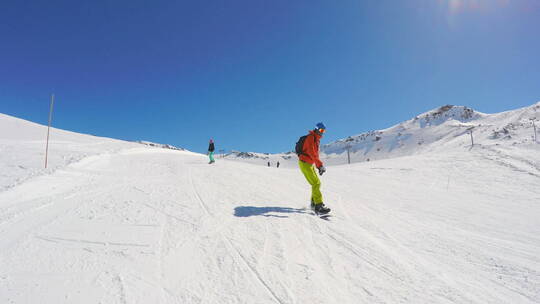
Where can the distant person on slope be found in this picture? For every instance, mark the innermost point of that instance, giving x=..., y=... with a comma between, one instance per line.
x=307, y=149
x=211, y=149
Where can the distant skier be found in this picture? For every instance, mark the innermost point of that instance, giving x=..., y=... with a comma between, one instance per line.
x=268, y=164
x=211, y=149
x=277, y=165
x=307, y=149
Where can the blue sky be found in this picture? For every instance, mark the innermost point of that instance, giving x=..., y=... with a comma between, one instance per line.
x=255, y=75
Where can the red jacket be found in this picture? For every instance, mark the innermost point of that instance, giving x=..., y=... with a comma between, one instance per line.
x=311, y=149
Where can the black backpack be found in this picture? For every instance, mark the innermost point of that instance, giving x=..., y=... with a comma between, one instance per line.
x=299, y=149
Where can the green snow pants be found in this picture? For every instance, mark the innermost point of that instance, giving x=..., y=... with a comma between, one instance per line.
x=313, y=180
x=211, y=155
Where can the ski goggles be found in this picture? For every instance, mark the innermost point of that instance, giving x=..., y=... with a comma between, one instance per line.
x=322, y=130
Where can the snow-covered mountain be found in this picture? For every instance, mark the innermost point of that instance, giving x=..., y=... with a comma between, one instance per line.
x=447, y=127
x=285, y=159
x=163, y=146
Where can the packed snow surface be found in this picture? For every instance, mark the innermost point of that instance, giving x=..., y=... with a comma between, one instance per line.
x=118, y=222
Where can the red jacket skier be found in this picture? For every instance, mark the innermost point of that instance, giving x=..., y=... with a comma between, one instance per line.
x=308, y=161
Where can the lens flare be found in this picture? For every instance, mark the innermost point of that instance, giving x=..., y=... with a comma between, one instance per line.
x=459, y=6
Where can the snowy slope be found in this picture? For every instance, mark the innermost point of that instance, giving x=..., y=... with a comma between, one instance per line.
x=22, y=149
x=145, y=225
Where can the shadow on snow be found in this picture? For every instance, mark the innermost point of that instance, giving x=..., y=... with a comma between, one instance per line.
x=246, y=211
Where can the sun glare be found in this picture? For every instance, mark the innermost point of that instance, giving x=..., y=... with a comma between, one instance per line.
x=459, y=6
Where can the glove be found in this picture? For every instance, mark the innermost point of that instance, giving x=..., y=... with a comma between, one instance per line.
x=322, y=169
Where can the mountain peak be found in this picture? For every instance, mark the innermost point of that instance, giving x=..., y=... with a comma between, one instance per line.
x=445, y=113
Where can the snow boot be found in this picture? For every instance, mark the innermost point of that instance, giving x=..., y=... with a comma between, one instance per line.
x=321, y=209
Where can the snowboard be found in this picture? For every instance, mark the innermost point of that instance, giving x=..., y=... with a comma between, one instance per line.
x=325, y=216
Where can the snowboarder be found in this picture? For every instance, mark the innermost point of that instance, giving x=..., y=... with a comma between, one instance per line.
x=307, y=149
x=211, y=149
x=277, y=164
x=268, y=164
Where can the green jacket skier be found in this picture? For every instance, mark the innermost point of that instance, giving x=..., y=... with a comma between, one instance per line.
x=211, y=149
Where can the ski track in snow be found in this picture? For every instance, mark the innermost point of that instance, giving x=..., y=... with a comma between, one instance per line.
x=158, y=226
x=512, y=161
x=243, y=260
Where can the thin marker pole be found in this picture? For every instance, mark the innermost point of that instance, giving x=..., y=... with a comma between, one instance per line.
x=48, y=130
x=470, y=132
x=534, y=126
